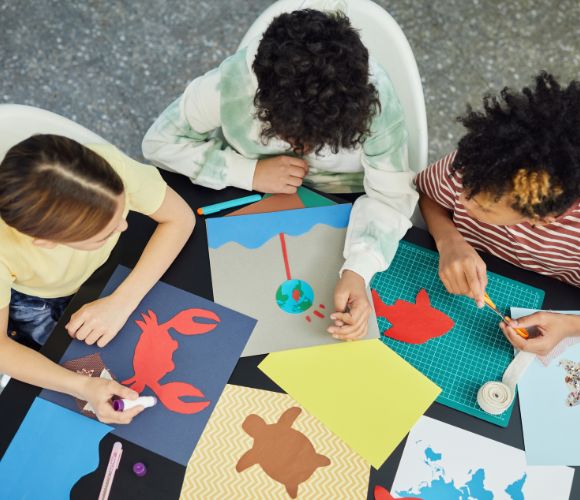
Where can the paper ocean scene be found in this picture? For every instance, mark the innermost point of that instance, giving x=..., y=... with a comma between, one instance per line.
x=281, y=268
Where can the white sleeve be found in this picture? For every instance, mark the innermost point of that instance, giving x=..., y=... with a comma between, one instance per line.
x=381, y=217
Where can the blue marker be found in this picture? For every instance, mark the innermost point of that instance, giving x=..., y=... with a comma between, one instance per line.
x=218, y=207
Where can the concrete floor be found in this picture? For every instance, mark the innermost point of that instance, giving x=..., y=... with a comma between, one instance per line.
x=114, y=65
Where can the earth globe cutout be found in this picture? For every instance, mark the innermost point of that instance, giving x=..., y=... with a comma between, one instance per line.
x=294, y=296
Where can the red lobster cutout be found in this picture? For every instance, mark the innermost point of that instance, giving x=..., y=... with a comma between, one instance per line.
x=413, y=323
x=153, y=358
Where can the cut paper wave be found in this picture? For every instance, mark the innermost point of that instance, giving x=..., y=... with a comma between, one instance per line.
x=252, y=231
x=53, y=448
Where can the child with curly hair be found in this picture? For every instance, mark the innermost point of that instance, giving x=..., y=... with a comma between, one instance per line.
x=303, y=104
x=63, y=207
x=512, y=189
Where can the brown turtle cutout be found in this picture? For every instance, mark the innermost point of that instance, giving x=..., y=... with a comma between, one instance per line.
x=285, y=454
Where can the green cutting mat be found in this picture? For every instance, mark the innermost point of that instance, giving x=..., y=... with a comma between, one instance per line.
x=475, y=351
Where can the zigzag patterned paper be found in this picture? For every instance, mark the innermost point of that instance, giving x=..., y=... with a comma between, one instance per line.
x=211, y=471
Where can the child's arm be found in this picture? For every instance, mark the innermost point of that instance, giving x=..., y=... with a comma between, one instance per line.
x=461, y=269
x=29, y=366
x=101, y=320
x=553, y=328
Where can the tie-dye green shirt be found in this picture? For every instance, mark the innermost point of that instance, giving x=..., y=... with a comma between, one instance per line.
x=211, y=134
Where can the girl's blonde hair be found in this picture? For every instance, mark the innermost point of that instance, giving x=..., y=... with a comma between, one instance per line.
x=55, y=189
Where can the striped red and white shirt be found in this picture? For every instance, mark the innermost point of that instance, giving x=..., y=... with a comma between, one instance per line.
x=552, y=249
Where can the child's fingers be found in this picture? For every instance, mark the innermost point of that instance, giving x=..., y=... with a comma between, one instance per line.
x=123, y=392
x=531, y=320
x=474, y=284
x=105, y=339
x=513, y=338
x=93, y=337
x=83, y=332
x=345, y=318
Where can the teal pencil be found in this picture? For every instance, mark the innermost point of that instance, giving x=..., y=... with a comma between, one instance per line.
x=218, y=207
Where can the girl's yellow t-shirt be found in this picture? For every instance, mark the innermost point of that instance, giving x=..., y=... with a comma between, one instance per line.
x=60, y=271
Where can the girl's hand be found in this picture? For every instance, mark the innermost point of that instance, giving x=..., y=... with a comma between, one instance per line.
x=462, y=270
x=99, y=321
x=98, y=393
x=352, y=308
x=552, y=328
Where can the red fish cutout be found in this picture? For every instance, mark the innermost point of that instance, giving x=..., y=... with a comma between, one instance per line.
x=382, y=493
x=153, y=358
x=413, y=323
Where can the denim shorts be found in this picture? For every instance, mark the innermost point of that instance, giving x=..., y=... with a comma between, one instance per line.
x=34, y=318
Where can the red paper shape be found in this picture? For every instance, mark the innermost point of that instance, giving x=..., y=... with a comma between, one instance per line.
x=413, y=323
x=153, y=358
x=381, y=493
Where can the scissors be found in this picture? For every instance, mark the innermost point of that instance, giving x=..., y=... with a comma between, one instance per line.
x=522, y=332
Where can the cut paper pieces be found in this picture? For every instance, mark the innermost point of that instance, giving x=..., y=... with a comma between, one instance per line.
x=362, y=391
x=549, y=421
x=178, y=347
x=441, y=461
x=278, y=202
x=475, y=350
x=413, y=323
x=53, y=448
x=572, y=381
x=381, y=493
x=261, y=444
x=281, y=268
x=285, y=454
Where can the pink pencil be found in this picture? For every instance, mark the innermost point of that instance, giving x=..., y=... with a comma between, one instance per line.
x=114, y=461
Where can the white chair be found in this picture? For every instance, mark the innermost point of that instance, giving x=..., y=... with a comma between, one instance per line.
x=388, y=45
x=17, y=122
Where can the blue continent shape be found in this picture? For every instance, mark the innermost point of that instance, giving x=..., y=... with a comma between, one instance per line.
x=475, y=488
x=431, y=456
x=438, y=489
x=515, y=490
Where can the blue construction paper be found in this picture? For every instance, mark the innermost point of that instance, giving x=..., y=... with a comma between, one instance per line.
x=51, y=451
x=253, y=230
x=550, y=427
x=204, y=361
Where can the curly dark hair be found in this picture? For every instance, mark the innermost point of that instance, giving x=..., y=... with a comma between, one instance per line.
x=313, y=82
x=526, y=144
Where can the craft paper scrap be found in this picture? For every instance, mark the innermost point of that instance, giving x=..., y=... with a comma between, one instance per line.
x=262, y=444
x=281, y=268
x=175, y=346
x=278, y=202
x=53, y=448
x=550, y=404
x=441, y=461
x=362, y=391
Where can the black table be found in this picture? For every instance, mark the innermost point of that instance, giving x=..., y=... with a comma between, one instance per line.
x=191, y=272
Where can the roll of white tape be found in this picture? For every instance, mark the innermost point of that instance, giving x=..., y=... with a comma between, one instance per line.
x=496, y=397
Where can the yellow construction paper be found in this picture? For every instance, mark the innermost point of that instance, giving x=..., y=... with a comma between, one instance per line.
x=362, y=391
